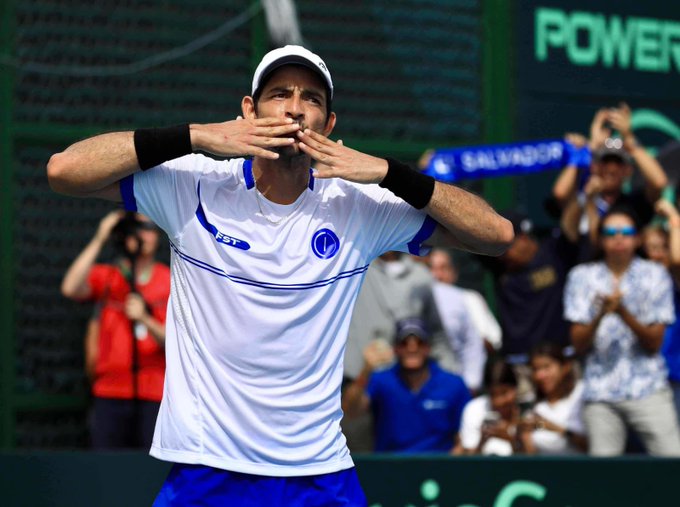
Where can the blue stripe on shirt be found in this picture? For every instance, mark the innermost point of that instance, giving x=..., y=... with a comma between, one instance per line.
x=127, y=192
x=426, y=230
x=268, y=285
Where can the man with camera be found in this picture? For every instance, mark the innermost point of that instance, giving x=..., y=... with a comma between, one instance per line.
x=615, y=151
x=128, y=352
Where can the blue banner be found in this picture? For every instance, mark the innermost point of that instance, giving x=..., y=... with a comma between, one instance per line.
x=455, y=164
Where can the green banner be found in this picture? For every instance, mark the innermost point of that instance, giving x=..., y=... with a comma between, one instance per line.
x=82, y=479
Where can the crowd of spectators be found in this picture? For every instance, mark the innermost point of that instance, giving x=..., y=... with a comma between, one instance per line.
x=585, y=356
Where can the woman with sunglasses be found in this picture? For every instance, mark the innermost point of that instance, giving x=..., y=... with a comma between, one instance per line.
x=619, y=307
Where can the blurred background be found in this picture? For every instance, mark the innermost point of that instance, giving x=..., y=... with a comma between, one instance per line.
x=409, y=75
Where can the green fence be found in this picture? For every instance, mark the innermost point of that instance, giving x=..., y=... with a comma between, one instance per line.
x=132, y=479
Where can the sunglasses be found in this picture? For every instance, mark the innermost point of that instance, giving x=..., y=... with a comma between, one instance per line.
x=627, y=230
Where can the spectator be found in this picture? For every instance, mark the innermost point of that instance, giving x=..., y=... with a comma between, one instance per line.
x=129, y=356
x=392, y=290
x=619, y=308
x=490, y=421
x=555, y=426
x=610, y=168
x=417, y=406
x=470, y=326
x=664, y=247
x=529, y=281
x=395, y=287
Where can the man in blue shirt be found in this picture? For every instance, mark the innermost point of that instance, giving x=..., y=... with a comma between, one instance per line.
x=416, y=405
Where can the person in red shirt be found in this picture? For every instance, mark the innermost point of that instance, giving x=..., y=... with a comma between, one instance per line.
x=127, y=381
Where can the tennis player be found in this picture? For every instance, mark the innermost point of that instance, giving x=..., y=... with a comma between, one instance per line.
x=268, y=254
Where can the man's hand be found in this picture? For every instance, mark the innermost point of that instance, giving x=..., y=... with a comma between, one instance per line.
x=578, y=140
x=378, y=353
x=593, y=186
x=259, y=137
x=335, y=160
x=666, y=209
x=135, y=307
x=598, y=129
x=620, y=119
x=610, y=303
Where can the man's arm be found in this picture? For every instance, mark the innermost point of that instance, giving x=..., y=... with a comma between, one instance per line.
x=583, y=335
x=566, y=184
x=355, y=399
x=649, y=336
x=652, y=172
x=92, y=167
x=74, y=285
x=467, y=221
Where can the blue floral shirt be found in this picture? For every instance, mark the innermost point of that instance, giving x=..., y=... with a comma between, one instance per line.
x=617, y=367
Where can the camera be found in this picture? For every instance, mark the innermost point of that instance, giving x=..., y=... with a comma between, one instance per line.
x=128, y=226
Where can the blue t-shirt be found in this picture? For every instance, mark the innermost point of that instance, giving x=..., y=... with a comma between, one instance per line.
x=423, y=421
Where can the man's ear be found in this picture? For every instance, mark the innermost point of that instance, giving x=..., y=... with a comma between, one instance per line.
x=248, y=108
x=330, y=125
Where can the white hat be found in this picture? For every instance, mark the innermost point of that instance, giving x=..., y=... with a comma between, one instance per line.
x=287, y=55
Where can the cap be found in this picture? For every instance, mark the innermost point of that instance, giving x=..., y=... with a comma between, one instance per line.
x=612, y=147
x=521, y=224
x=411, y=326
x=291, y=55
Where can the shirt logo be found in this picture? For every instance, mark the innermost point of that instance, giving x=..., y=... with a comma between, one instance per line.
x=220, y=237
x=325, y=244
x=434, y=404
x=543, y=278
x=231, y=241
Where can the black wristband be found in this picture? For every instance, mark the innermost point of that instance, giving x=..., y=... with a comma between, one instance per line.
x=157, y=145
x=413, y=187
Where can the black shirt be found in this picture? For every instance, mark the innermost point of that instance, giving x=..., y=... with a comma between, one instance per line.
x=529, y=300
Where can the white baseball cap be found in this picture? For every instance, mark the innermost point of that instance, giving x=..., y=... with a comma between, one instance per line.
x=291, y=55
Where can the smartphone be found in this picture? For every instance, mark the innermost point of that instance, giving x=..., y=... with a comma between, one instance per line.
x=490, y=420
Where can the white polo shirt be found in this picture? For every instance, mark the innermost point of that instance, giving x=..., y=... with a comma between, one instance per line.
x=259, y=312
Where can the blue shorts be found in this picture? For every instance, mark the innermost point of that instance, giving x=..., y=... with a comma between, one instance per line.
x=199, y=485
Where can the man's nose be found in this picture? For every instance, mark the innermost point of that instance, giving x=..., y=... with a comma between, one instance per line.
x=294, y=107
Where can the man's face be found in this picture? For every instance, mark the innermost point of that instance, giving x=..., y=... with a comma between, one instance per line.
x=412, y=352
x=612, y=172
x=295, y=92
x=619, y=237
x=441, y=268
x=520, y=253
